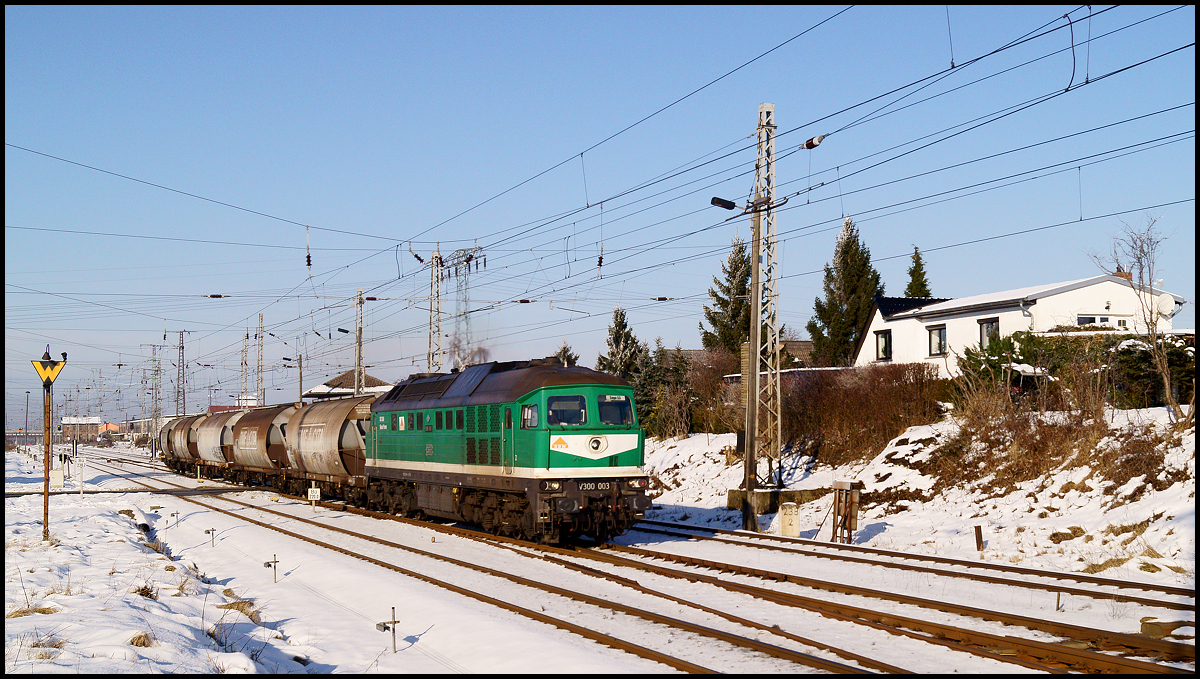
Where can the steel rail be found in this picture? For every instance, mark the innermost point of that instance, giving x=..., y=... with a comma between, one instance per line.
x=1117, y=639
x=1064, y=575
x=978, y=577
x=733, y=639
x=992, y=646
x=980, y=643
x=590, y=634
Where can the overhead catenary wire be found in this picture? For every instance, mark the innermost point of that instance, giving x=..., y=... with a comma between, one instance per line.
x=190, y=322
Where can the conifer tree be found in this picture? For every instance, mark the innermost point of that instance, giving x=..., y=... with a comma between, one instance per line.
x=623, y=348
x=646, y=381
x=730, y=314
x=569, y=358
x=918, y=284
x=851, y=284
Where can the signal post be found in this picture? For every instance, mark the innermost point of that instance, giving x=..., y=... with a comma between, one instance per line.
x=47, y=369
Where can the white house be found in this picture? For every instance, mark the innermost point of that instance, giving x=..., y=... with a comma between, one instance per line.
x=918, y=330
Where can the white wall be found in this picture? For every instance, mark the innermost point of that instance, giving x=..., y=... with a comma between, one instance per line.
x=910, y=335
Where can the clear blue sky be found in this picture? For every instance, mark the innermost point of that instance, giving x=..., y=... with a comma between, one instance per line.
x=389, y=128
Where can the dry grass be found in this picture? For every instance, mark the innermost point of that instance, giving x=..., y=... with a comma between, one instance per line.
x=1106, y=564
x=243, y=606
x=1072, y=533
x=49, y=645
x=29, y=610
x=147, y=591
x=1009, y=439
x=142, y=640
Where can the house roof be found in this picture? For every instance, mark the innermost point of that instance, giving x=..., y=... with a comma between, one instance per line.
x=343, y=385
x=890, y=306
x=894, y=308
x=1007, y=298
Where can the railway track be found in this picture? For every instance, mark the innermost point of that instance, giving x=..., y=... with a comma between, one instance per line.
x=1032, y=654
x=874, y=556
x=1015, y=576
x=702, y=635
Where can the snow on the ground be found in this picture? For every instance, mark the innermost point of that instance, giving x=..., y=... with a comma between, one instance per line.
x=100, y=598
x=696, y=475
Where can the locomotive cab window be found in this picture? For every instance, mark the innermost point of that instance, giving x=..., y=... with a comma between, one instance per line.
x=615, y=409
x=566, y=410
x=529, y=417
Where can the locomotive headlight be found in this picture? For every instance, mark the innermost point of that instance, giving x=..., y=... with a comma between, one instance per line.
x=638, y=483
x=550, y=485
x=597, y=444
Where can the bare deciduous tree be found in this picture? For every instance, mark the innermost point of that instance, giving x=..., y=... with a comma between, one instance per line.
x=1135, y=255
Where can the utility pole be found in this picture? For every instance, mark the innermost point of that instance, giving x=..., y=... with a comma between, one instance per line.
x=360, y=379
x=358, y=323
x=434, y=357
x=180, y=389
x=260, y=394
x=156, y=379
x=460, y=260
x=763, y=431
x=245, y=369
x=750, y=374
x=769, y=430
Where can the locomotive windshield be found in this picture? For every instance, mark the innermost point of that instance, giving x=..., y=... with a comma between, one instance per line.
x=615, y=409
x=566, y=410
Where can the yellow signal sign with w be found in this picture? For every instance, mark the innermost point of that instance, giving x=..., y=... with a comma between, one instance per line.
x=48, y=370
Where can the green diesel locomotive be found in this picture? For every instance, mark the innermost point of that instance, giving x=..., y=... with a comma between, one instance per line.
x=530, y=449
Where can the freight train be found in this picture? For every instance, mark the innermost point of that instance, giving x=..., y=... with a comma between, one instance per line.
x=528, y=449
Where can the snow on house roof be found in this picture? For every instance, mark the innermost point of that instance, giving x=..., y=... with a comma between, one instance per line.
x=343, y=385
x=1011, y=297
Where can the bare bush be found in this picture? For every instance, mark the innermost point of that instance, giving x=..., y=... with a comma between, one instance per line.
x=843, y=416
x=716, y=406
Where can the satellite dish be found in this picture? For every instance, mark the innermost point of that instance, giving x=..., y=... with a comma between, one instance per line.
x=1165, y=305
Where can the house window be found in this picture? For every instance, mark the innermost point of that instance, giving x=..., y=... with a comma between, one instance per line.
x=1085, y=320
x=883, y=345
x=937, y=341
x=988, y=330
x=1121, y=323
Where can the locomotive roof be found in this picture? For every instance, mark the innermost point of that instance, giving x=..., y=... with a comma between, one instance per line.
x=487, y=383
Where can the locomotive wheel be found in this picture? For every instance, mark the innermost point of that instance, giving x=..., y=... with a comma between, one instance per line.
x=488, y=522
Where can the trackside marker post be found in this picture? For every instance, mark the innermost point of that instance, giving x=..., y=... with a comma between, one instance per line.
x=47, y=369
x=387, y=625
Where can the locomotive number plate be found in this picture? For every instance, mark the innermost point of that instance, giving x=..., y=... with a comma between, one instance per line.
x=599, y=485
